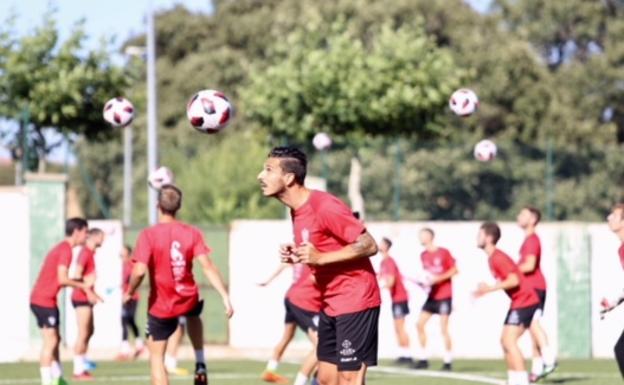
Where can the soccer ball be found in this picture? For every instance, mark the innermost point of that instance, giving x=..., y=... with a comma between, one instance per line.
x=321, y=141
x=119, y=112
x=485, y=151
x=209, y=111
x=464, y=102
x=160, y=177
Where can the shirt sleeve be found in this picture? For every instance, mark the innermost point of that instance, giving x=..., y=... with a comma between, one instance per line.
x=338, y=219
x=66, y=257
x=532, y=247
x=449, y=261
x=199, y=245
x=503, y=267
x=142, y=250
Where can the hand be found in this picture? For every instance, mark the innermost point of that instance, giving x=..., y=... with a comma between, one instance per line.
x=229, y=311
x=287, y=253
x=482, y=289
x=262, y=284
x=126, y=298
x=308, y=254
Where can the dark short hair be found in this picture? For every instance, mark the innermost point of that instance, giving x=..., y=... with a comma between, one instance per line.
x=74, y=224
x=169, y=199
x=128, y=248
x=428, y=230
x=535, y=212
x=356, y=214
x=492, y=229
x=387, y=241
x=292, y=160
x=95, y=231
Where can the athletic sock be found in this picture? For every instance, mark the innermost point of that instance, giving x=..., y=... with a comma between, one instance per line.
x=46, y=375
x=405, y=352
x=537, y=366
x=522, y=378
x=125, y=347
x=272, y=365
x=199, y=356
x=447, y=357
x=170, y=362
x=301, y=379
x=548, y=355
x=79, y=366
x=56, y=370
x=421, y=353
x=139, y=344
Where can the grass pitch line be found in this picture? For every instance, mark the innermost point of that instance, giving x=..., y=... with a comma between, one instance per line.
x=137, y=378
x=437, y=374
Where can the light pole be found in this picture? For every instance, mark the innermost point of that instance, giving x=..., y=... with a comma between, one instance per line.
x=127, y=177
x=152, y=137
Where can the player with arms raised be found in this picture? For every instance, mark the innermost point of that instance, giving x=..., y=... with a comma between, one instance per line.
x=337, y=246
x=166, y=251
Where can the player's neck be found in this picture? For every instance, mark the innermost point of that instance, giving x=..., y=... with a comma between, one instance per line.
x=166, y=218
x=620, y=235
x=90, y=245
x=71, y=241
x=431, y=247
x=295, y=197
x=529, y=230
x=489, y=249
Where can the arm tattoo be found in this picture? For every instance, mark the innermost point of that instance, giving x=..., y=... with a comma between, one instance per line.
x=364, y=245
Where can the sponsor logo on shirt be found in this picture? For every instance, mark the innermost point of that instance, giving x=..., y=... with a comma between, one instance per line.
x=178, y=266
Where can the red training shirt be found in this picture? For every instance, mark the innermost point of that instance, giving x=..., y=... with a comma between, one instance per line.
x=126, y=272
x=168, y=249
x=397, y=291
x=328, y=223
x=439, y=262
x=522, y=295
x=532, y=246
x=47, y=286
x=86, y=259
x=304, y=292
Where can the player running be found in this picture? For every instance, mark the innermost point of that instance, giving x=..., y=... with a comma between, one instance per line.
x=128, y=311
x=166, y=251
x=43, y=302
x=440, y=267
x=303, y=304
x=615, y=221
x=391, y=279
x=337, y=247
x=524, y=300
x=544, y=361
x=85, y=271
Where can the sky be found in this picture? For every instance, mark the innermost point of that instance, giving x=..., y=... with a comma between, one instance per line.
x=111, y=19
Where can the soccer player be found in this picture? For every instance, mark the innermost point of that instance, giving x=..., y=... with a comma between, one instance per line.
x=529, y=264
x=43, y=302
x=303, y=304
x=85, y=271
x=173, y=344
x=128, y=311
x=166, y=251
x=337, y=246
x=524, y=300
x=615, y=221
x=439, y=264
x=392, y=280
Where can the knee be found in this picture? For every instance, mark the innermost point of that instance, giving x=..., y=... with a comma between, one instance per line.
x=325, y=379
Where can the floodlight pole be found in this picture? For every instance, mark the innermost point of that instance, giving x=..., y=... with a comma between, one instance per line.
x=152, y=137
x=127, y=177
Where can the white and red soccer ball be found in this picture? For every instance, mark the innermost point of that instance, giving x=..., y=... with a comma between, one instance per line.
x=209, y=111
x=160, y=177
x=322, y=141
x=464, y=102
x=119, y=112
x=485, y=150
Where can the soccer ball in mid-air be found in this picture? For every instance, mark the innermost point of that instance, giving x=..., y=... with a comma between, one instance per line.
x=464, y=102
x=119, y=112
x=485, y=150
x=209, y=111
x=160, y=177
x=322, y=141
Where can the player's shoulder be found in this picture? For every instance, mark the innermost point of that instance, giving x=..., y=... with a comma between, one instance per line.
x=323, y=200
x=500, y=255
x=61, y=247
x=443, y=250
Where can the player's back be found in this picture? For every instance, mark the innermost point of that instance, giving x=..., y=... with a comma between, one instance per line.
x=168, y=250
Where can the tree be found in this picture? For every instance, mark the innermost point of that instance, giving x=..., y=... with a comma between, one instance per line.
x=58, y=84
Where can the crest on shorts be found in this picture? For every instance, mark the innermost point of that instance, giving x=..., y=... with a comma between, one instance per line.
x=347, y=349
x=514, y=317
x=52, y=320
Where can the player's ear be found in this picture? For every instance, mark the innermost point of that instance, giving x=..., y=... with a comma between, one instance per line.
x=289, y=178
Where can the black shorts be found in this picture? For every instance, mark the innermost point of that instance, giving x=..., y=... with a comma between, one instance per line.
x=438, y=306
x=76, y=304
x=47, y=317
x=521, y=317
x=542, y=299
x=161, y=329
x=400, y=310
x=305, y=319
x=128, y=309
x=349, y=340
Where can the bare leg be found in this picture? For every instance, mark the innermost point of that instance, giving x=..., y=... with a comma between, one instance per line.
x=402, y=337
x=509, y=341
x=327, y=373
x=308, y=365
x=422, y=334
x=287, y=336
x=157, y=361
x=353, y=378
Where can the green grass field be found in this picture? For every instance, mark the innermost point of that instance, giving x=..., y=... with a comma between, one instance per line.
x=573, y=372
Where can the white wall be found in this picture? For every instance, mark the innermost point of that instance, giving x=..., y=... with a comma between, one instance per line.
x=107, y=315
x=14, y=275
x=475, y=324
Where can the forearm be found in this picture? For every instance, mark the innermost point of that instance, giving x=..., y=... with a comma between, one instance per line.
x=526, y=267
x=134, y=283
x=509, y=283
x=445, y=276
x=363, y=247
x=215, y=279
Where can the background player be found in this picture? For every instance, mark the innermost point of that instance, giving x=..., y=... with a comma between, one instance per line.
x=337, y=245
x=302, y=304
x=128, y=311
x=85, y=271
x=43, y=298
x=440, y=267
x=530, y=266
x=392, y=280
x=167, y=251
x=524, y=301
